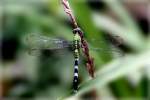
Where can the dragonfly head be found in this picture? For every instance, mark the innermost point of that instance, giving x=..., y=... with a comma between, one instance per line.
x=79, y=31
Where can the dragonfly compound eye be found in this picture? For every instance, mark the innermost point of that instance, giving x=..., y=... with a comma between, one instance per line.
x=79, y=31
x=76, y=30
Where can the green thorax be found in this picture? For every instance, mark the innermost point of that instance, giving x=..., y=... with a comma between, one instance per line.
x=76, y=41
x=76, y=45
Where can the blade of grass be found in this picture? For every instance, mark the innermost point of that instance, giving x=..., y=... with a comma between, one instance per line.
x=121, y=88
x=141, y=90
x=115, y=70
x=109, y=25
x=123, y=15
x=127, y=20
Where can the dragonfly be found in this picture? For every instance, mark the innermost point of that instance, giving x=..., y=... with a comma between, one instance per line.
x=84, y=43
x=37, y=43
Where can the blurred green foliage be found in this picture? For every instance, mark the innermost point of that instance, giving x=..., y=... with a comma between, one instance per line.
x=49, y=76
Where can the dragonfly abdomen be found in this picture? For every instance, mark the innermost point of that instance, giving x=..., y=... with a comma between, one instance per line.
x=75, y=79
x=76, y=46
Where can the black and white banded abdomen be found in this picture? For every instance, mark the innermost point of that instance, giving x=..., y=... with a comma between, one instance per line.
x=75, y=79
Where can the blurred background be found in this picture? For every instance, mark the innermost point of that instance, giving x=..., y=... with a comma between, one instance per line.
x=117, y=30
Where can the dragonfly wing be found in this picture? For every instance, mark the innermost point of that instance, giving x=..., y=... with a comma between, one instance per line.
x=38, y=52
x=109, y=51
x=115, y=40
x=34, y=52
x=35, y=41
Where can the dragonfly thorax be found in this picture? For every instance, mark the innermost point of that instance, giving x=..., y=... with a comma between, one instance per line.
x=76, y=45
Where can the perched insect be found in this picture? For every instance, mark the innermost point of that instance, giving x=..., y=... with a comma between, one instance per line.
x=76, y=47
x=37, y=42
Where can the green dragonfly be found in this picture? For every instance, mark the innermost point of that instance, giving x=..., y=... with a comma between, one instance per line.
x=36, y=43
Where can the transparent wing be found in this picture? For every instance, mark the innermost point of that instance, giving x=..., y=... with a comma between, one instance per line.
x=113, y=46
x=115, y=40
x=111, y=50
x=36, y=43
